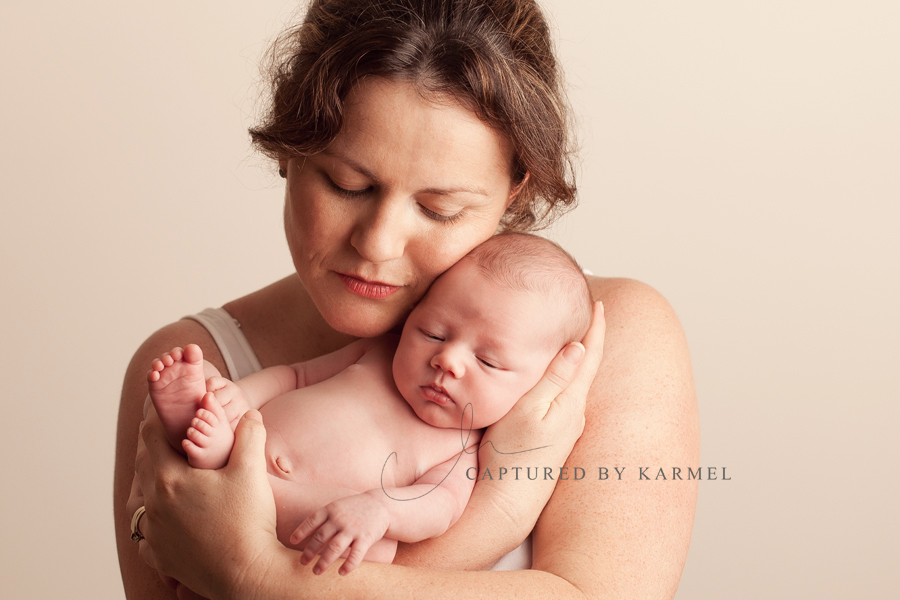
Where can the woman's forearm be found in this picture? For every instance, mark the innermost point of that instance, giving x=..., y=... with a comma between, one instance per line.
x=284, y=578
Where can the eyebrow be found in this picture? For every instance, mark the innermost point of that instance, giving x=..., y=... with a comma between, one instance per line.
x=466, y=189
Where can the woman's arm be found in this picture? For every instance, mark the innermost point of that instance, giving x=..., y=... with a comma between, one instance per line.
x=596, y=539
x=142, y=582
x=641, y=412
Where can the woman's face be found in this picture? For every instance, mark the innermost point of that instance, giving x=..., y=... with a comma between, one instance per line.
x=405, y=190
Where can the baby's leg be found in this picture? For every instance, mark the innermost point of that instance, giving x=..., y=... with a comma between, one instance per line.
x=177, y=382
x=210, y=437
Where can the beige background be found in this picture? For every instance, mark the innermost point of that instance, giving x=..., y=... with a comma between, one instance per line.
x=741, y=157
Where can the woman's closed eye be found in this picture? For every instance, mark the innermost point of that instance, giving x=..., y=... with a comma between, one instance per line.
x=436, y=216
x=348, y=193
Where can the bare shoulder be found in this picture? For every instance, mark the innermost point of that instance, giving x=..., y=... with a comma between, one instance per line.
x=645, y=345
x=628, y=300
x=136, y=575
x=641, y=413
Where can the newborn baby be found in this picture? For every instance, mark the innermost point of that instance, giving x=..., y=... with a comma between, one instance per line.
x=370, y=445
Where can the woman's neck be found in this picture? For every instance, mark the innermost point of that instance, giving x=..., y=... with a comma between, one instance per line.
x=283, y=325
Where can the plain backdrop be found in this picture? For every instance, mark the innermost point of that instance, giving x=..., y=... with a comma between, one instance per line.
x=741, y=157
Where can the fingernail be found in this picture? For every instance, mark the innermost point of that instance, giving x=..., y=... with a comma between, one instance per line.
x=574, y=352
x=602, y=310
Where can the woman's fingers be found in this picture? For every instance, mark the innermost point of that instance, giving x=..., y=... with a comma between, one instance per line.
x=576, y=391
x=249, y=449
x=569, y=375
x=556, y=379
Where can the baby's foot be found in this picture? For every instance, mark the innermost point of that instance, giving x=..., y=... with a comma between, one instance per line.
x=177, y=383
x=210, y=437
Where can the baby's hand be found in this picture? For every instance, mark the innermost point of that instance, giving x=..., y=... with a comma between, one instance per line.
x=355, y=522
x=229, y=395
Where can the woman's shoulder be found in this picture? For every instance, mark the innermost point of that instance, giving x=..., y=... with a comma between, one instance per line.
x=177, y=334
x=643, y=336
x=629, y=304
x=627, y=293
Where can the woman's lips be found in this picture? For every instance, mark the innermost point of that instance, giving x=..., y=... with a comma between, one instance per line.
x=438, y=396
x=374, y=290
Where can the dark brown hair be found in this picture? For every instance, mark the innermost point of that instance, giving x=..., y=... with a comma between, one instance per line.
x=493, y=56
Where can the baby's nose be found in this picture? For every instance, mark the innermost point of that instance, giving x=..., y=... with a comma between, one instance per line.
x=449, y=362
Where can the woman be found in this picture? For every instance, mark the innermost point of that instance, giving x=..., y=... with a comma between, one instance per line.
x=408, y=131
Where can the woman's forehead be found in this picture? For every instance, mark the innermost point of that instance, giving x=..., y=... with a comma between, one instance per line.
x=390, y=131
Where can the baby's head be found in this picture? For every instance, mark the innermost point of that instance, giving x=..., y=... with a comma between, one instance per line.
x=488, y=328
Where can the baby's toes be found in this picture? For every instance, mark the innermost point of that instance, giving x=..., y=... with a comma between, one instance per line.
x=206, y=417
x=210, y=402
x=196, y=436
x=202, y=426
x=195, y=451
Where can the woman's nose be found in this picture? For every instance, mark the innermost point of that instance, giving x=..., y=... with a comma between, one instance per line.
x=382, y=230
x=450, y=361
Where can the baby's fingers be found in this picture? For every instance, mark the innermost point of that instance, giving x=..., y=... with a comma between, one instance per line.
x=357, y=553
x=216, y=383
x=317, y=541
x=309, y=525
x=335, y=548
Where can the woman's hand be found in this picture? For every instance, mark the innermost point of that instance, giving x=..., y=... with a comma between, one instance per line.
x=206, y=528
x=540, y=431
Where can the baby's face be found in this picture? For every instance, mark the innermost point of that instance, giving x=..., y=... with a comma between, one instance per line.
x=471, y=341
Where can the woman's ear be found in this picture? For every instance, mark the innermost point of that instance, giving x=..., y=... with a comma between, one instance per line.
x=514, y=192
x=282, y=168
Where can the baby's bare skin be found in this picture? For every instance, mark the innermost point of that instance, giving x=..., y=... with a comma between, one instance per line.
x=349, y=434
x=365, y=445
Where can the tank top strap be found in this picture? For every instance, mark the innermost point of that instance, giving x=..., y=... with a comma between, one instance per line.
x=240, y=359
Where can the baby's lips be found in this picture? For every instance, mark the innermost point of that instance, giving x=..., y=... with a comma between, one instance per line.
x=437, y=394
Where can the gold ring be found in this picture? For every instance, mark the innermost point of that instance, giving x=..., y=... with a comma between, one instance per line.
x=136, y=534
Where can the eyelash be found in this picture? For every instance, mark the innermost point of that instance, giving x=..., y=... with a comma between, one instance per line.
x=348, y=193
x=443, y=219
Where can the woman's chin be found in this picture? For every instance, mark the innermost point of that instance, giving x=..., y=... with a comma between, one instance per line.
x=365, y=322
